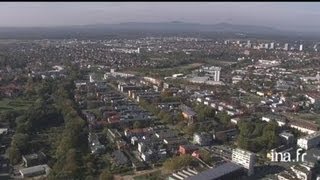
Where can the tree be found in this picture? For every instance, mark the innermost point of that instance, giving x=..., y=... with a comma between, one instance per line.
x=223, y=117
x=167, y=118
x=106, y=175
x=71, y=165
x=14, y=154
x=9, y=116
x=137, y=124
x=258, y=136
x=204, y=112
x=205, y=156
x=178, y=162
x=179, y=117
x=20, y=141
x=190, y=129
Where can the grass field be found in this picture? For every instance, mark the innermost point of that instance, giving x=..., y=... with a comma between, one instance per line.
x=183, y=67
x=7, y=104
x=306, y=116
x=154, y=175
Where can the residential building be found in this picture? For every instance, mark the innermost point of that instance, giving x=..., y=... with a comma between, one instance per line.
x=301, y=47
x=309, y=141
x=34, y=159
x=224, y=171
x=245, y=158
x=33, y=171
x=187, y=149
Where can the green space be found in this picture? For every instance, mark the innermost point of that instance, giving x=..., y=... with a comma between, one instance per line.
x=258, y=136
x=7, y=104
x=251, y=98
x=162, y=72
x=306, y=116
x=156, y=175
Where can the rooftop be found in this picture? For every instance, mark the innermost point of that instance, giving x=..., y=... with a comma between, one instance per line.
x=34, y=169
x=215, y=173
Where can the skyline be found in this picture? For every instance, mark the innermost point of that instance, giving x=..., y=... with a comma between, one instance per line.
x=281, y=15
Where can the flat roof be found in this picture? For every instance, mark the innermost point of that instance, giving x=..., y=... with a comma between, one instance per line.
x=217, y=172
x=34, y=169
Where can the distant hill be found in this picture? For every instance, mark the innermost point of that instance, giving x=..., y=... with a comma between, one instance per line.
x=186, y=27
x=161, y=27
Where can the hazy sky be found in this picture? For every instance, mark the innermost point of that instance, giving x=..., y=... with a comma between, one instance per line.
x=282, y=15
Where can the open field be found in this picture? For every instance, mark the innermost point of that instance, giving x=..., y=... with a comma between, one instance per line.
x=14, y=104
x=152, y=175
x=306, y=116
x=162, y=72
x=183, y=67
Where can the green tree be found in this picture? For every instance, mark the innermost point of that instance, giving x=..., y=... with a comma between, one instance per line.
x=178, y=162
x=205, y=156
x=20, y=141
x=223, y=117
x=137, y=124
x=71, y=165
x=14, y=154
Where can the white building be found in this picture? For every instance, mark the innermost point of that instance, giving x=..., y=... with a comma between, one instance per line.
x=304, y=127
x=245, y=158
x=272, y=45
x=235, y=120
x=286, y=46
x=280, y=122
x=301, y=47
x=236, y=79
x=213, y=71
x=309, y=141
x=117, y=74
x=248, y=44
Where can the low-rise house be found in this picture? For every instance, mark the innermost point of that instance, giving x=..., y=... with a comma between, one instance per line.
x=188, y=113
x=34, y=159
x=304, y=126
x=313, y=97
x=187, y=149
x=39, y=170
x=235, y=120
x=281, y=120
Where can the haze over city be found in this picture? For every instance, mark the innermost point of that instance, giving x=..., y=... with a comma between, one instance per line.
x=299, y=16
x=159, y=90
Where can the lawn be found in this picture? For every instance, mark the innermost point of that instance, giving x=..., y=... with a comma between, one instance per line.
x=162, y=72
x=251, y=98
x=14, y=104
x=308, y=117
x=153, y=175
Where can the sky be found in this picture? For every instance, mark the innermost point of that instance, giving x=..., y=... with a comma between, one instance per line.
x=280, y=15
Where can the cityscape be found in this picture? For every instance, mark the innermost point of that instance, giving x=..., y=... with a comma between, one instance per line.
x=158, y=101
